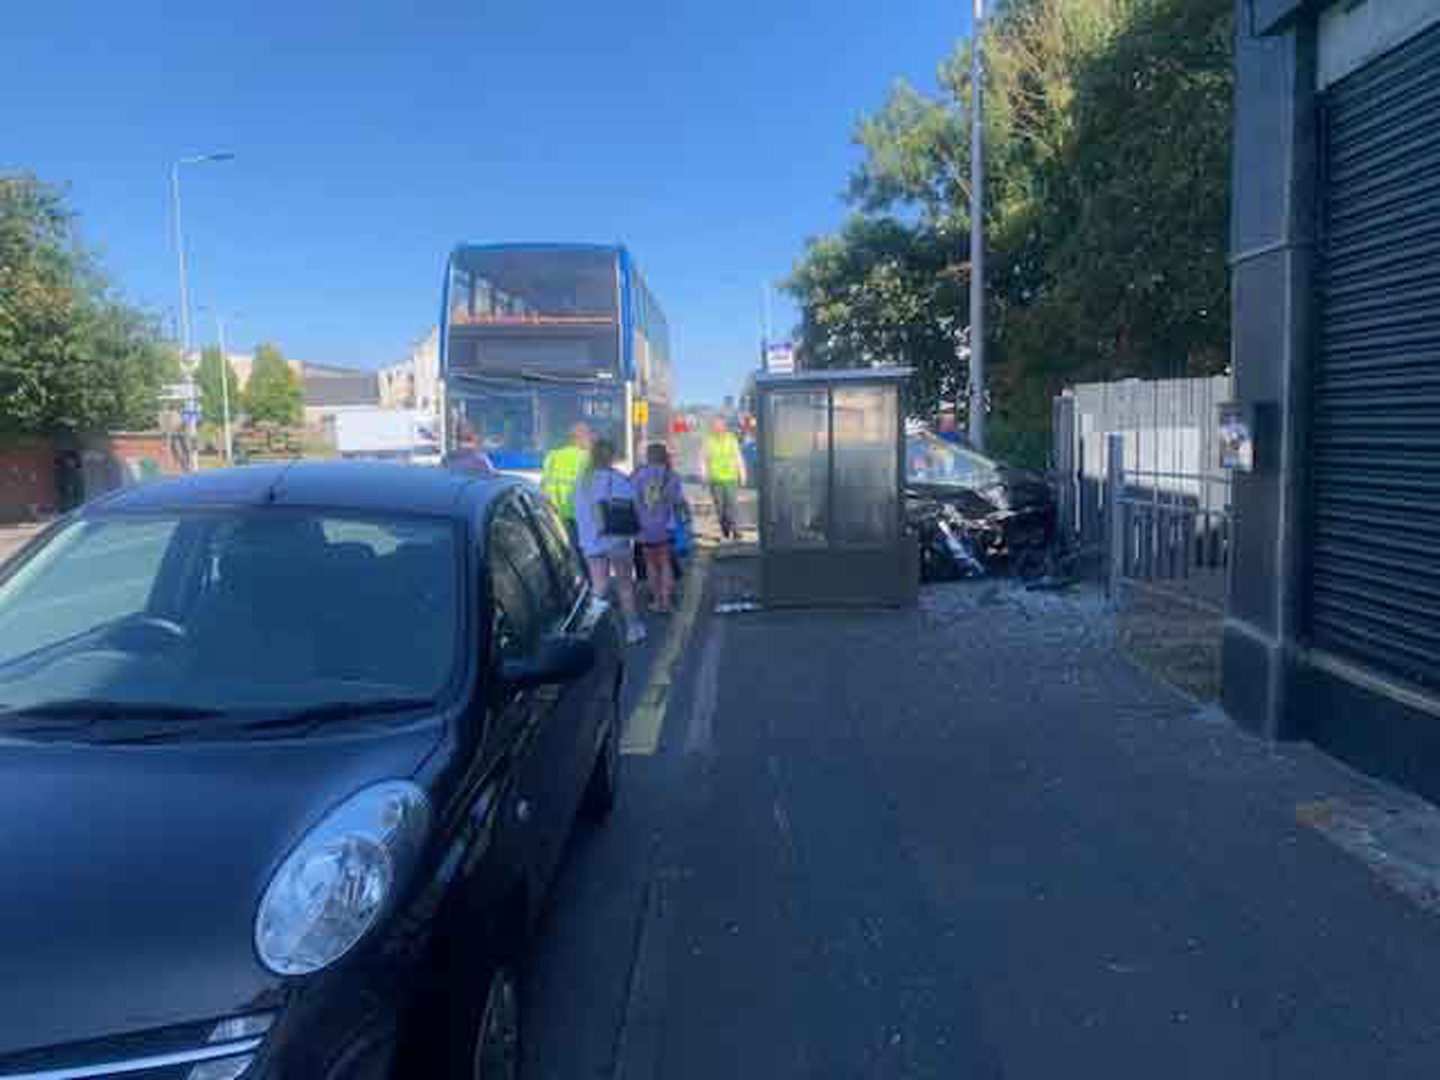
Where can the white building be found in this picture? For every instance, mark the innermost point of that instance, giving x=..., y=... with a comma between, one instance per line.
x=414, y=383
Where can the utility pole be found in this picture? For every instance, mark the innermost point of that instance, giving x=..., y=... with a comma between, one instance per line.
x=977, y=228
x=190, y=424
x=764, y=325
x=180, y=254
x=224, y=387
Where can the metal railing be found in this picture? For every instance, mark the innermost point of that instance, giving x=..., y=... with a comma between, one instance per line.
x=1168, y=528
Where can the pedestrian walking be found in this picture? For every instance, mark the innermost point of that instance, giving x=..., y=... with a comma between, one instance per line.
x=561, y=472
x=724, y=469
x=607, y=521
x=660, y=502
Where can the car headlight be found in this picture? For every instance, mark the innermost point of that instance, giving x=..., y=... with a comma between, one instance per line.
x=330, y=890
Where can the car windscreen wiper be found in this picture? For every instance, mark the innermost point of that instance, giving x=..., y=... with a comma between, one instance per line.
x=103, y=719
x=107, y=709
x=312, y=715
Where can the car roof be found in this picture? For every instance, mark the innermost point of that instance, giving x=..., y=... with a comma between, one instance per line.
x=325, y=485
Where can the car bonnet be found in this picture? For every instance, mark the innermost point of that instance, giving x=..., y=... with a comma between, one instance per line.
x=132, y=874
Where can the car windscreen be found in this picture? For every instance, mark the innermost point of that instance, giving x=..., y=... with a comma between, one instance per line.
x=931, y=460
x=232, y=613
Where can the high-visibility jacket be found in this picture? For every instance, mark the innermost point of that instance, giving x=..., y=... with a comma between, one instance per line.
x=722, y=458
x=560, y=474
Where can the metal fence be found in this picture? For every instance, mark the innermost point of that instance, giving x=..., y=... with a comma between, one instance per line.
x=1159, y=535
x=1141, y=483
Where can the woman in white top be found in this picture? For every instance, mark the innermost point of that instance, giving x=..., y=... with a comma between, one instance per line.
x=610, y=557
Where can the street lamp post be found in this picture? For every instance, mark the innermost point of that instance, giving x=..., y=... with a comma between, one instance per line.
x=194, y=159
x=224, y=388
x=977, y=228
x=765, y=317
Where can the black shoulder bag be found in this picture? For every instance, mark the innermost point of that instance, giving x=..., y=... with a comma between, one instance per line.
x=617, y=516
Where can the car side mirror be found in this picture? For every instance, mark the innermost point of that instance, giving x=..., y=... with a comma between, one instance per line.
x=560, y=658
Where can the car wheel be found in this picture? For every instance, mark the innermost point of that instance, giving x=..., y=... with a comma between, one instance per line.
x=497, y=1037
x=604, y=783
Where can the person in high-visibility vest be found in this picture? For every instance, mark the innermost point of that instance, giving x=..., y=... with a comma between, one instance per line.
x=562, y=470
x=723, y=467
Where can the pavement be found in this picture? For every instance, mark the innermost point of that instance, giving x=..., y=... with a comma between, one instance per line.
x=14, y=537
x=972, y=840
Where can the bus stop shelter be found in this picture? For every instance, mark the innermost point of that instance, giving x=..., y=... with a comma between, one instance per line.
x=831, y=471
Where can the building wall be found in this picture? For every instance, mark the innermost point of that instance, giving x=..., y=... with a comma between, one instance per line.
x=426, y=373
x=414, y=383
x=1272, y=683
x=32, y=486
x=27, y=480
x=396, y=385
x=1270, y=243
x=144, y=455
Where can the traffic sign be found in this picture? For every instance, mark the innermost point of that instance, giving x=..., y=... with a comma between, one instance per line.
x=780, y=358
x=182, y=392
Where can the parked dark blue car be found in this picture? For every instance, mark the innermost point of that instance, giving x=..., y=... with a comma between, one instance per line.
x=288, y=758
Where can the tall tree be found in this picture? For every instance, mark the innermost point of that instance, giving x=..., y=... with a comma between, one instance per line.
x=73, y=357
x=214, y=368
x=273, y=395
x=882, y=292
x=1108, y=130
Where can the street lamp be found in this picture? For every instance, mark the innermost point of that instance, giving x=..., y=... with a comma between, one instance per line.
x=224, y=386
x=977, y=227
x=194, y=159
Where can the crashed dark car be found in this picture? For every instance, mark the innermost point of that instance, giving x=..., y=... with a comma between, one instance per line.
x=972, y=514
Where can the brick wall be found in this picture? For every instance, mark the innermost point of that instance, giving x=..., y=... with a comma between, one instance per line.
x=143, y=455
x=30, y=483
x=27, y=480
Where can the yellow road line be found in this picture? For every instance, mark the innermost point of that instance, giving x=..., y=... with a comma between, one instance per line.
x=642, y=729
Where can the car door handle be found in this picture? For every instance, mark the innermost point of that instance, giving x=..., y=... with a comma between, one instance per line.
x=522, y=811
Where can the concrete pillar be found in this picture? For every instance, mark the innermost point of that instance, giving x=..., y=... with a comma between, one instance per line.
x=1273, y=217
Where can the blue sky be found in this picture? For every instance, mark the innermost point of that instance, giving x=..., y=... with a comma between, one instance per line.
x=711, y=137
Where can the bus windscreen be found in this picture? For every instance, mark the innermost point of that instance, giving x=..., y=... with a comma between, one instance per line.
x=518, y=423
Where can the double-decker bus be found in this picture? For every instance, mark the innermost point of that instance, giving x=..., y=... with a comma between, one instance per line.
x=536, y=338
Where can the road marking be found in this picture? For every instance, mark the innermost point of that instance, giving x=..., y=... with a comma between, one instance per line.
x=643, y=728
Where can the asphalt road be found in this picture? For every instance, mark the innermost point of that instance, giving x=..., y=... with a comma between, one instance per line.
x=968, y=841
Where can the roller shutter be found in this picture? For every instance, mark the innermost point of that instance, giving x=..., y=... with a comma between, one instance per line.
x=1374, y=552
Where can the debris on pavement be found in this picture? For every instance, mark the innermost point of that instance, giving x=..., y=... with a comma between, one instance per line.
x=738, y=607
x=1051, y=583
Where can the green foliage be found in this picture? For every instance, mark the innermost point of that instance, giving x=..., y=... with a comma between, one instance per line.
x=73, y=357
x=273, y=395
x=1143, y=260
x=1108, y=138
x=916, y=154
x=881, y=292
x=216, y=377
